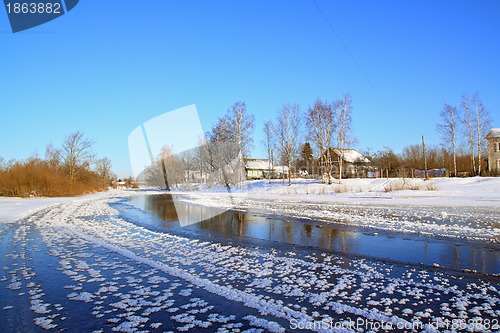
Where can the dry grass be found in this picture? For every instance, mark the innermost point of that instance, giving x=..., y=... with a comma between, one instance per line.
x=410, y=184
x=431, y=186
x=341, y=189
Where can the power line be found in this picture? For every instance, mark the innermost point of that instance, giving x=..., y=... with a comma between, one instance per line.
x=355, y=61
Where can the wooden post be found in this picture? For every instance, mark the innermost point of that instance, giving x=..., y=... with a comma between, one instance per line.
x=387, y=173
x=412, y=174
x=425, y=159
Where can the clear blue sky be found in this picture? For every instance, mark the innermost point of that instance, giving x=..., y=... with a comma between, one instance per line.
x=108, y=66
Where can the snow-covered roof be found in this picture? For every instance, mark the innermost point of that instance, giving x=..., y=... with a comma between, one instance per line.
x=263, y=164
x=256, y=164
x=494, y=133
x=280, y=168
x=351, y=155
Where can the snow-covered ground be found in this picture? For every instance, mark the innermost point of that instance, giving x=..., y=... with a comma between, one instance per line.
x=16, y=208
x=476, y=191
x=83, y=263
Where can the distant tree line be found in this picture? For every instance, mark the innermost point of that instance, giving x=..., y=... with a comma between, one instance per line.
x=69, y=170
x=411, y=157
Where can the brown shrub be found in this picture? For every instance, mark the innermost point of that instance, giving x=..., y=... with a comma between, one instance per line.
x=36, y=178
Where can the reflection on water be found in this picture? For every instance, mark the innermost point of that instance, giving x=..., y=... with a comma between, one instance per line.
x=483, y=257
x=248, y=225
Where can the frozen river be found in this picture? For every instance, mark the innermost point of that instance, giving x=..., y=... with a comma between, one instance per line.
x=104, y=265
x=330, y=236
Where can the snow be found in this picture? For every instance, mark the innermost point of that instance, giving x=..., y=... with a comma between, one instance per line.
x=477, y=191
x=134, y=279
x=494, y=133
x=463, y=207
x=351, y=155
x=16, y=208
x=257, y=164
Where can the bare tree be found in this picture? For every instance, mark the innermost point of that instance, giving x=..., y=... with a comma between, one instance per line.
x=467, y=119
x=167, y=170
x=103, y=168
x=448, y=129
x=76, y=153
x=412, y=157
x=286, y=130
x=240, y=126
x=188, y=160
x=269, y=144
x=344, y=128
x=387, y=160
x=201, y=159
x=52, y=156
x=483, y=123
x=321, y=125
x=224, y=157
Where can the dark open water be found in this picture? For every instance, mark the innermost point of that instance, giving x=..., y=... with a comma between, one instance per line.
x=357, y=241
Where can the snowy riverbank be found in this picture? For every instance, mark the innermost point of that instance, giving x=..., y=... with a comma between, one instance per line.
x=476, y=191
x=465, y=208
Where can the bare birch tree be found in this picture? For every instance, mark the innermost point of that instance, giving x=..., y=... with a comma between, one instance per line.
x=269, y=144
x=240, y=126
x=286, y=129
x=321, y=125
x=448, y=129
x=468, y=121
x=344, y=128
x=483, y=123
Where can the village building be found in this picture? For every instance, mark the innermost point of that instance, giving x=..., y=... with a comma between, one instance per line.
x=354, y=164
x=259, y=168
x=493, y=138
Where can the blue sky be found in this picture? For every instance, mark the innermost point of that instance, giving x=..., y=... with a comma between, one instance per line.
x=108, y=66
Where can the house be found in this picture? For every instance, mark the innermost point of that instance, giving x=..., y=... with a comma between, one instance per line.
x=493, y=138
x=354, y=164
x=257, y=168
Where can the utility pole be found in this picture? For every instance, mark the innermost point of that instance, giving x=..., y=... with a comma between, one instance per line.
x=425, y=159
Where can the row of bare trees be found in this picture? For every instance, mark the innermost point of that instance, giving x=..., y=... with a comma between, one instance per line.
x=220, y=154
x=470, y=121
x=330, y=125
x=218, y=159
x=326, y=125
x=72, y=169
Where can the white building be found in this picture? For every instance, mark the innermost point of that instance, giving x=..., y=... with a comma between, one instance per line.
x=259, y=168
x=493, y=138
